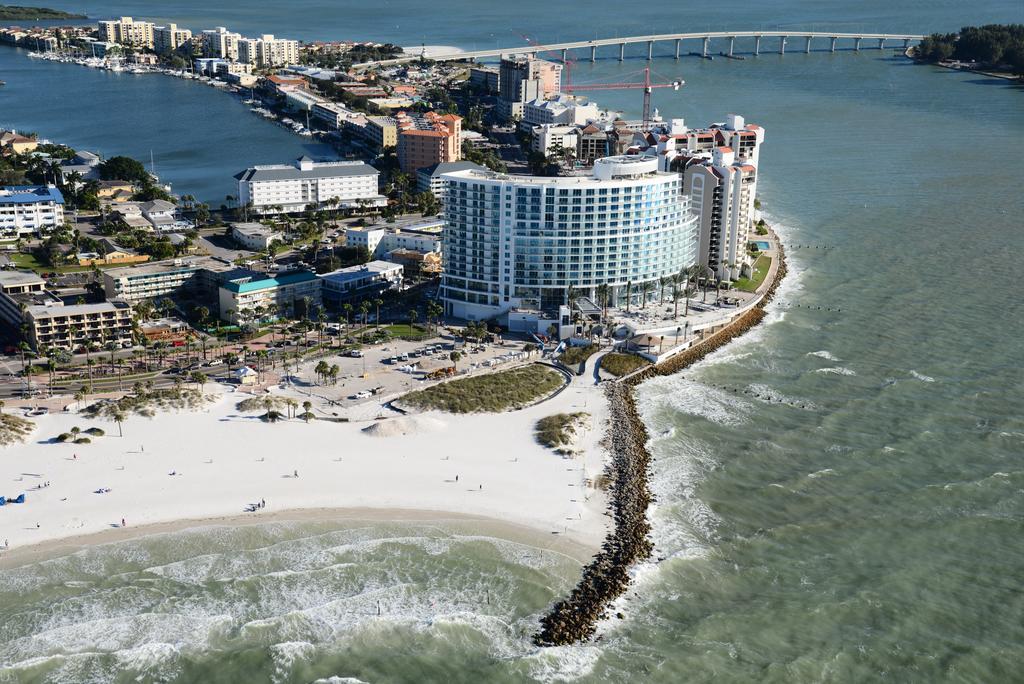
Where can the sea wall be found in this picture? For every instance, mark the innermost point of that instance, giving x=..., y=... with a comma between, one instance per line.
x=607, y=576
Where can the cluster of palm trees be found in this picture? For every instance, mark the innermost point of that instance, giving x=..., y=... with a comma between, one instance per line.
x=327, y=374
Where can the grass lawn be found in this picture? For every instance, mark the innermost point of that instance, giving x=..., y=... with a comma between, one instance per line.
x=622, y=364
x=761, y=268
x=492, y=392
x=409, y=332
x=25, y=261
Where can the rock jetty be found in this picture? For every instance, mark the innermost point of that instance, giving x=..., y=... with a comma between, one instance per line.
x=607, y=576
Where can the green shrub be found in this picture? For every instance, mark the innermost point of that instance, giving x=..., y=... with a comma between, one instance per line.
x=95, y=432
x=576, y=355
x=619, y=364
x=64, y=436
x=83, y=440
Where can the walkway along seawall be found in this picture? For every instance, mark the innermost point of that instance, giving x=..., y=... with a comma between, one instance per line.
x=607, y=577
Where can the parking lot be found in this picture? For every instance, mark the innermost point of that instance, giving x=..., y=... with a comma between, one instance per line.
x=380, y=373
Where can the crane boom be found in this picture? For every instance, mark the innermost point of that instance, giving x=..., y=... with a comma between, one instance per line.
x=646, y=85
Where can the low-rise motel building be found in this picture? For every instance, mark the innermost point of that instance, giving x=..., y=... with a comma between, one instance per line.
x=48, y=323
x=256, y=297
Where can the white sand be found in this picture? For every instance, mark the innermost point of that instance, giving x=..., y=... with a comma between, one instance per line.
x=432, y=50
x=410, y=464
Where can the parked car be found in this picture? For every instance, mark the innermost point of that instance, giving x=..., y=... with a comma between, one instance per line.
x=355, y=353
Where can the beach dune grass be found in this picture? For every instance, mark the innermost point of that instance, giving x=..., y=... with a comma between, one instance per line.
x=622, y=364
x=13, y=429
x=493, y=392
x=560, y=429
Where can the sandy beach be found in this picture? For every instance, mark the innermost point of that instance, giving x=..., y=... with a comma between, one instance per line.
x=430, y=465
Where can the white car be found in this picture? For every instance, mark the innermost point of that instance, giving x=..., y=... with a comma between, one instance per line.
x=356, y=353
x=365, y=394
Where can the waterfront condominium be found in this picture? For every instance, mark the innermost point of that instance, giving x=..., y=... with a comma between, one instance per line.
x=719, y=166
x=520, y=242
x=523, y=79
x=126, y=31
x=288, y=188
x=169, y=38
x=30, y=210
x=219, y=42
x=254, y=298
x=428, y=139
x=268, y=51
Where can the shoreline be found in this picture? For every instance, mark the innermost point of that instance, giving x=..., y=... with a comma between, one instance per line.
x=607, y=577
x=473, y=524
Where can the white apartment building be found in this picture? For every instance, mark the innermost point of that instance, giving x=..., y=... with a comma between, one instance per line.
x=332, y=113
x=366, y=280
x=380, y=241
x=30, y=210
x=254, y=236
x=560, y=110
x=219, y=42
x=56, y=325
x=307, y=184
x=250, y=299
x=519, y=242
x=549, y=137
x=431, y=178
x=169, y=38
x=126, y=31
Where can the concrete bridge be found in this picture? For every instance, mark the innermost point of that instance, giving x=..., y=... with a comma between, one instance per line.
x=778, y=41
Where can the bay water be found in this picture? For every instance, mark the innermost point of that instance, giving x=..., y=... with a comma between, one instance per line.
x=840, y=493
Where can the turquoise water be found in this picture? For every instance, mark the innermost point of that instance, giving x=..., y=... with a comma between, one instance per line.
x=871, y=532
x=762, y=245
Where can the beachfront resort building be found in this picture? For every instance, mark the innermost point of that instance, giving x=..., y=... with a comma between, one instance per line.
x=358, y=282
x=127, y=31
x=254, y=298
x=520, y=242
x=428, y=139
x=379, y=240
x=288, y=188
x=30, y=210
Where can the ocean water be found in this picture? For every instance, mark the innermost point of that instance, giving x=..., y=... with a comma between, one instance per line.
x=840, y=494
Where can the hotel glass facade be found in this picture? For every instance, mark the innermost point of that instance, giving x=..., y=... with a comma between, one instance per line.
x=522, y=241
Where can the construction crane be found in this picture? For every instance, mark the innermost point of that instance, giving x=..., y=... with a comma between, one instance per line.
x=646, y=85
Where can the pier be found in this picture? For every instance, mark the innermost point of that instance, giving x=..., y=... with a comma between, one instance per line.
x=828, y=40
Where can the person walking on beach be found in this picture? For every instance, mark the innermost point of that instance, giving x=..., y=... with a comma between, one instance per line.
x=481, y=488
x=263, y=503
x=296, y=474
x=122, y=522
x=456, y=478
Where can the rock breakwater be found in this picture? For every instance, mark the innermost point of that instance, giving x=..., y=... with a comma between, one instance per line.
x=607, y=576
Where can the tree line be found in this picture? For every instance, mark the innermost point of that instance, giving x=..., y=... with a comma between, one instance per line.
x=992, y=44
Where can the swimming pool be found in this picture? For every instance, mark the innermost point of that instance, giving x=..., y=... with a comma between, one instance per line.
x=761, y=244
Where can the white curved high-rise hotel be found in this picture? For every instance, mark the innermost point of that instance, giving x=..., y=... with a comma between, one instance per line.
x=520, y=242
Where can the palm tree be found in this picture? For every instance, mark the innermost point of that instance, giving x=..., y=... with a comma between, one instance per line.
x=378, y=303
x=364, y=309
x=333, y=373
x=629, y=293
x=663, y=281
x=645, y=288
x=413, y=315
x=455, y=356
x=676, y=294
x=602, y=296
x=347, y=308
x=307, y=407
x=119, y=418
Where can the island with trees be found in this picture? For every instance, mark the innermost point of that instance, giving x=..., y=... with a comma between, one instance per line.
x=994, y=47
x=19, y=13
